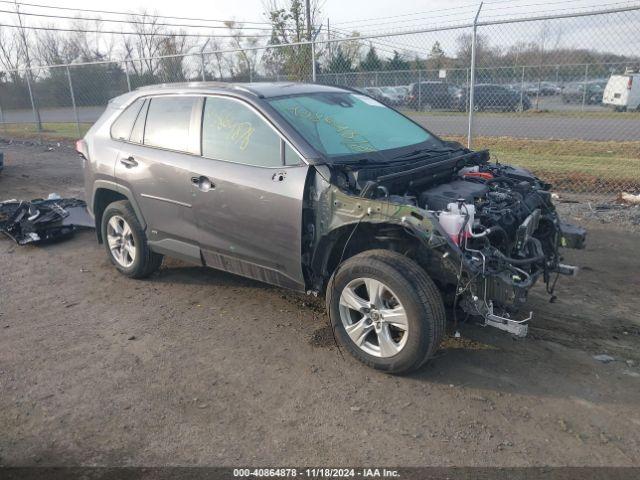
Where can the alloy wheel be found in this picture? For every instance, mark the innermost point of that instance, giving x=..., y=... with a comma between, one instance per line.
x=121, y=242
x=373, y=317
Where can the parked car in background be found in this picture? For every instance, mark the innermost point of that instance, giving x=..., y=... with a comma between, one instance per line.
x=493, y=97
x=550, y=88
x=395, y=97
x=542, y=89
x=588, y=92
x=428, y=95
x=378, y=94
x=404, y=91
x=623, y=92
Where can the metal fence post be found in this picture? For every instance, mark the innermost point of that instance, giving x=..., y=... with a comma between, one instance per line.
x=126, y=73
x=204, y=77
x=4, y=125
x=584, y=88
x=313, y=61
x=466, y=97
x=311, y=37
x=472, y=87
x=419, y=89
x=522, y=90
x=73, y=102
x=36, y=111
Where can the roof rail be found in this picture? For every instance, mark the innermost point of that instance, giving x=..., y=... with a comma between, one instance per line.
x=199, y=84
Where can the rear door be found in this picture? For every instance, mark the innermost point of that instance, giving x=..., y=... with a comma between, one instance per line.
x=616, y=93
x=155, y=166
x=248, y=189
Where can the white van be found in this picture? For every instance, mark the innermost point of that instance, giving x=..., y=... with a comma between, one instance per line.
x=623, y=92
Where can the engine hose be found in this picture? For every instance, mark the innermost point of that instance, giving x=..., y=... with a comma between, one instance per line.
x=522, y=261
x=499, y=229
x=501, y=179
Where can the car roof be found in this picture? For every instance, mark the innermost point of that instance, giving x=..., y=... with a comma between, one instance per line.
x=259, y=89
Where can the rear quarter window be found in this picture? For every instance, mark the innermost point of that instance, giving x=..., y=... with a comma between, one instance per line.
x=121, y=128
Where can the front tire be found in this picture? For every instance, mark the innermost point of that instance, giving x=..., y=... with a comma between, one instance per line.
x=126, y=242
x=386, y=311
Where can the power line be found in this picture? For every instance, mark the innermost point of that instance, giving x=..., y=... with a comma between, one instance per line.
x=113, y=12
x=396, y=45
x=407, y=15
x=410, y=22
x=130, y=21
x=515, y=15
x=143, y=34
x=583, y=9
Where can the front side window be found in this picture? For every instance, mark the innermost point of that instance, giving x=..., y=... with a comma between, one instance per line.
x=168, y=123
x=233, y=132
x=340, y=124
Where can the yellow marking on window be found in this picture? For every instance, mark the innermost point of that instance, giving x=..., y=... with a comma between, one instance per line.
x=344, y=131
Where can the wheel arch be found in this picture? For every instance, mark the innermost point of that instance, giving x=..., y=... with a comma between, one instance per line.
x=353, y=238
x=104, y=194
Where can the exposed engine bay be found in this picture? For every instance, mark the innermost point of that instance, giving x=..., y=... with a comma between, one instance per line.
x=493, y=228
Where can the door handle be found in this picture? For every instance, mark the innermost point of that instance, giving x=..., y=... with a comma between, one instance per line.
x=203, y=183
x=129, y=162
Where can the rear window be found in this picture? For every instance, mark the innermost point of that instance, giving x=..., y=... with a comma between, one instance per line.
x=168, y=122
x=121, y=128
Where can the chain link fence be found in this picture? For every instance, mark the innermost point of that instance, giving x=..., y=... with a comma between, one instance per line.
x=532, y=91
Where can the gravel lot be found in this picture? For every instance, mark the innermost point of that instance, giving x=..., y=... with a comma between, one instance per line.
x=195, y=366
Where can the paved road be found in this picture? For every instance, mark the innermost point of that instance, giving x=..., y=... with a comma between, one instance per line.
x=507, y=125
x=616, y=129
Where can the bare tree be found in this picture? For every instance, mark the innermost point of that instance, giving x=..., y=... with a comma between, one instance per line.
x=247, y=53
x=289, y=25
x=146, y=44
x=11, y=53
x=172, y=49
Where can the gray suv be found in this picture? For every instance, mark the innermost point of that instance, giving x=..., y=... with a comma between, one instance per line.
x=323, y=190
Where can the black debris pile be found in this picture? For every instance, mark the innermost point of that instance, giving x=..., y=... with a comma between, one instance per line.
x=43, y=220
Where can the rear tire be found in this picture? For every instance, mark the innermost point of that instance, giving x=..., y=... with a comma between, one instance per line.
x=126, y=242
x=397, y=336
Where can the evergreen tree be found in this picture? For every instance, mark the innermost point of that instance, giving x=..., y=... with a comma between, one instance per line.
x=371, y=61
x=397, y=62
x=340, y=62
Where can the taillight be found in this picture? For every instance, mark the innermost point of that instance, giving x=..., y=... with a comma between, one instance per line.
x=81, y=148
x=629, y=83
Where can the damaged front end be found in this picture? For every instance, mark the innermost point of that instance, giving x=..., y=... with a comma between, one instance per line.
x=485, y=232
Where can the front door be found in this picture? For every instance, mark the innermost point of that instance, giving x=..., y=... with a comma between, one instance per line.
x=246, y=199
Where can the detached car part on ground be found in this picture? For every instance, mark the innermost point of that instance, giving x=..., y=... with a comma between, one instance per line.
x=43, y=220
x=324, y=190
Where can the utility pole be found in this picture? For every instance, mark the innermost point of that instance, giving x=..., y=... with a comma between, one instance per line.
x=202, y=62
x=329, y=46
x=34, y=106
x=310, y=37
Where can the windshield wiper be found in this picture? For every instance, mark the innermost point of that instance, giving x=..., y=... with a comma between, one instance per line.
x=421, y=151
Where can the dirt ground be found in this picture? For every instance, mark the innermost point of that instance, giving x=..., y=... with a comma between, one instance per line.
x=195, y=366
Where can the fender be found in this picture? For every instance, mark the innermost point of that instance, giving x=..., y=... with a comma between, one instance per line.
x=116, y=187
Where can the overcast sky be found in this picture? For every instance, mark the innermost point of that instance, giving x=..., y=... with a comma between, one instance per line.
x=372, y=16
x=365, y=15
